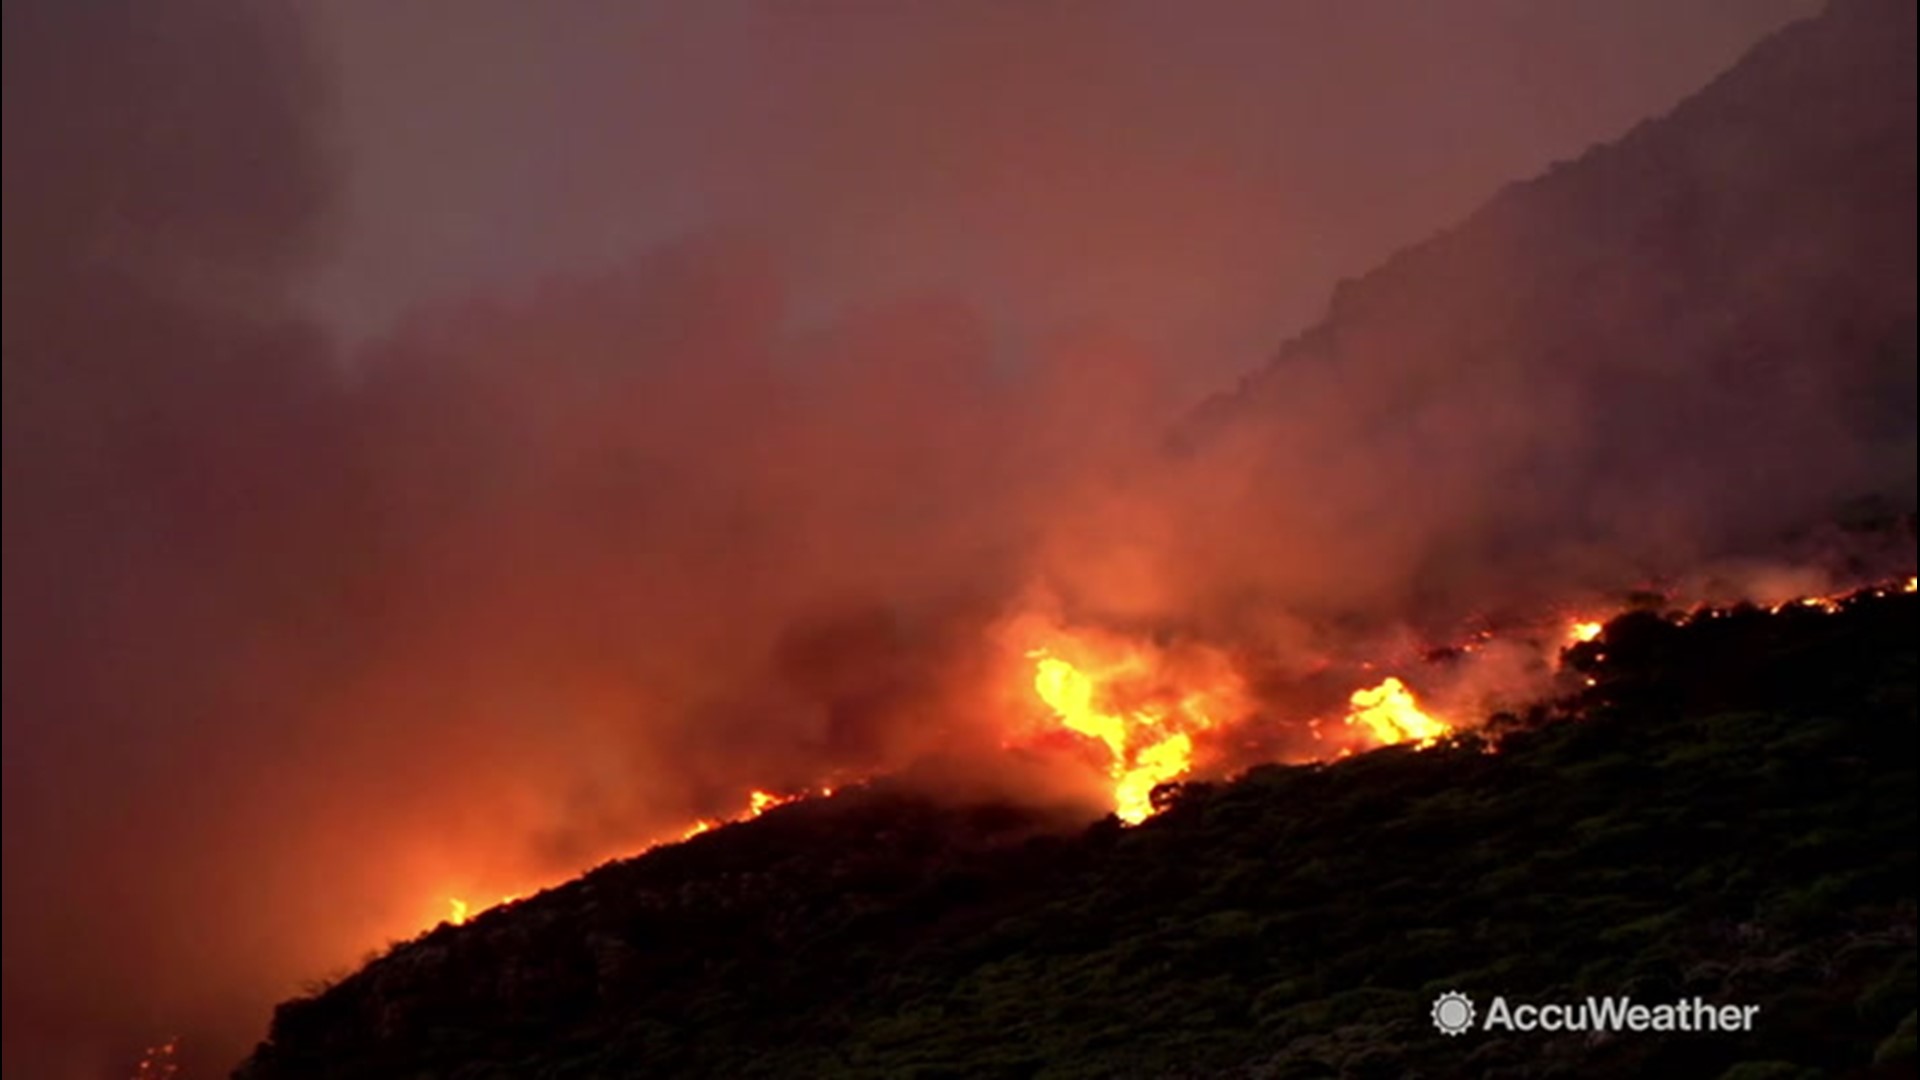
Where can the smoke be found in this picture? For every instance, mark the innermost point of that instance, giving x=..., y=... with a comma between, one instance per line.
x=303, y=637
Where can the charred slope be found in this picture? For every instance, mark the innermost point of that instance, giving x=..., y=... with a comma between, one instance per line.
x=1728, y=812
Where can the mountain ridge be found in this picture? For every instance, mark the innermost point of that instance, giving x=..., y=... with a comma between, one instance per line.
x=1730, y=94
x=1720, y=301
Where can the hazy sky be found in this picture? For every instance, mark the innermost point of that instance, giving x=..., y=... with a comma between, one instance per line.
x=1196, y=176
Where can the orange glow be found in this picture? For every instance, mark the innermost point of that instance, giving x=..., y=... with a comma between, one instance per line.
x=1819, y=603
x=1146, y=710
x=1390, y=714
x=158, y=1062
x=1139, y=704
x=759, y=802
x=459, y=910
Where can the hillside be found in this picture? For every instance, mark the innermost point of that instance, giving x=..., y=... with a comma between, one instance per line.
x=1708, y=320
x=1698, y=335
x=1728, y=812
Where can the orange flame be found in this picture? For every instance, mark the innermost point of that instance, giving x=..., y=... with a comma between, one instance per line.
x=1389, y=714
x=759, y=802
x=1147, y=708
x=1143, y=708
x=460, y=911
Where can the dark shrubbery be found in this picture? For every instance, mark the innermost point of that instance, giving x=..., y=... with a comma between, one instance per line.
x=1727, y=812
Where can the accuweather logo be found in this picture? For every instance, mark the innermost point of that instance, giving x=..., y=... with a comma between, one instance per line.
x=1454, y=1013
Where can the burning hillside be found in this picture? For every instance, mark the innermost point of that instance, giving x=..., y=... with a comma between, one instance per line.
x=876, y=465
x=1297, y=916
x=1127, y=715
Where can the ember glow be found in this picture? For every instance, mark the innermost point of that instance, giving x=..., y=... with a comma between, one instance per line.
x=460, y=911
x=159, y=1062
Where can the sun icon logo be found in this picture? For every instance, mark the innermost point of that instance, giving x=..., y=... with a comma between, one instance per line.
x=1452, y=1012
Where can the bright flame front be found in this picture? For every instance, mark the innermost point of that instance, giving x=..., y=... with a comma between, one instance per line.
x=1390, y=714
x=1142, y=705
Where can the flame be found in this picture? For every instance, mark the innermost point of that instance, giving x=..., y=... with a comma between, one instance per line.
x=1827, y=604
x=759, y=802
x=1148, y=710
x=1390, y=714
x=460, y=911
x=1142, y=706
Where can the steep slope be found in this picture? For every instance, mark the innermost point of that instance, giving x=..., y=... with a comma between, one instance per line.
x=1702, y=331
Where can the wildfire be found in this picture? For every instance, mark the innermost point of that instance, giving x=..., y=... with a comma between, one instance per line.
x=758, y=802
x=459, y=910
x=1141, y=705
x=1819, y=603
x=1147, y=709
x=1389, y=714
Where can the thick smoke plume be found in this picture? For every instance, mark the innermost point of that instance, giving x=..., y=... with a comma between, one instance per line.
x=302, y=638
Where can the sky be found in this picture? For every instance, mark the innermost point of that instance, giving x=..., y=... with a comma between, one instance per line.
x=1195, y=177
x=448, y=445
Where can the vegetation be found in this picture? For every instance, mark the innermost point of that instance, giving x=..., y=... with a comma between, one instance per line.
x=1728, y=812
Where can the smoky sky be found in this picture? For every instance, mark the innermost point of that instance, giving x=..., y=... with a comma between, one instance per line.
x=1193, y=176
x=446, y=447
